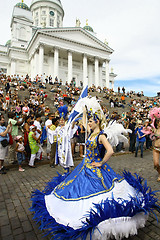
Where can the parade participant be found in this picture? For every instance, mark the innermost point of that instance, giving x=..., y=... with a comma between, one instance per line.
x=60, y=154
x=155, y=117
x=81, y=138
x=93, y=200
x=20, y=152
x=33, y=143
x=52, y=138
x=156, y=148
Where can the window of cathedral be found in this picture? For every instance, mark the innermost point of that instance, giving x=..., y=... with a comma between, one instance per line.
x=58, y=24
x=51, y=22
x=43, y=12
x=36, y=14
x=22, y=33
x=36, y=22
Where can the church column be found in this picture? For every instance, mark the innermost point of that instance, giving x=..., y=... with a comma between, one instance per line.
x=85, y=71
x=90, y=78
x=13, y=66
x=100, y=76
x=36, y=63
x=69, y=67
x=107, y=73
x=41, y=59
x=56, y=63
x=51, y=66
x=32, y=68
x=96, y=72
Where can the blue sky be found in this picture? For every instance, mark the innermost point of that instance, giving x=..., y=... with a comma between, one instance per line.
x=131, y=27
x=149, y=86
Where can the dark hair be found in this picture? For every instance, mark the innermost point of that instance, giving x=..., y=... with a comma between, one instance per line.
x=27, y=117
x=38, y=115
x=54, y=120
x=156, y=122
x=1, y=116
x=11, y=115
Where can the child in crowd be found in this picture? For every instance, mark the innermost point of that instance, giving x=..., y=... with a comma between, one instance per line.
x=33, y=143
x=20, y=152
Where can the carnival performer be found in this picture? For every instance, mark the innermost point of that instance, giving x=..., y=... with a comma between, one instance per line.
x=93, y=202
x=156, y=148
x=63, y=151
x=154, y=132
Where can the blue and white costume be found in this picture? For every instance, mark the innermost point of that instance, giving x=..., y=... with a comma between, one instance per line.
x=93, y=203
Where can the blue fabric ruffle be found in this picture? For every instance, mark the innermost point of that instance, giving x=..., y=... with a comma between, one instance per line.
x=101, y=212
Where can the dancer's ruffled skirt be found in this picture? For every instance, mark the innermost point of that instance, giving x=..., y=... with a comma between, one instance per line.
x=79, y=206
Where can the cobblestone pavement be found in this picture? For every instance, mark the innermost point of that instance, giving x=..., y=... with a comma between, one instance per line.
x=16, y=221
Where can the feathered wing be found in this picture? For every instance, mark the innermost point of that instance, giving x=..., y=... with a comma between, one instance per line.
x=116, y=133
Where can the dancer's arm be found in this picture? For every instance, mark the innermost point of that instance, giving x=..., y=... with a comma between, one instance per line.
x=103, y=140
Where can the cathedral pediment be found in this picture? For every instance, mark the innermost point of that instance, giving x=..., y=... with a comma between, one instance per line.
x=77, y=35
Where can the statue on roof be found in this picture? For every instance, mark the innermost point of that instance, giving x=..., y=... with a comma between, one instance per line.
x=78, y=23
x=105, y=41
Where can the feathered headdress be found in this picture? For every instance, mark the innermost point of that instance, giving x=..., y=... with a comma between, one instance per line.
x=154, y=114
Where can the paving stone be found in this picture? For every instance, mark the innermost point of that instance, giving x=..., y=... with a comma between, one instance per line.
x=10, y=237
x=16, y=203
x=3, y=212
x=153, y=235
x=27, y=227
x=10, y=206
x=15, y=223
x=6, y=231
x=4, y=220
x=22, y=216
x=12, y=214
x=17, y=231
x=30, y=236
x=20, y=237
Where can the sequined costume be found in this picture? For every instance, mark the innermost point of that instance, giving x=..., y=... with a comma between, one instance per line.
x=93, y=203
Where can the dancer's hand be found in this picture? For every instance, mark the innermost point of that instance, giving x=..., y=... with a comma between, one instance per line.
x=96, y=164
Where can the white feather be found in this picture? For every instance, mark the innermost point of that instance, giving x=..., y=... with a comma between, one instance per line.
x=116, y=133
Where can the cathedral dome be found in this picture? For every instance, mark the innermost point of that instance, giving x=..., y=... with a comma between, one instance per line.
x=22, y=5
x=87, y=27
x=8, y=43
x=58, y=2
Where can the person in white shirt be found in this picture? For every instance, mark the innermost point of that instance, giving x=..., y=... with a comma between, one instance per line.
x=37, y=123
x=48, y=124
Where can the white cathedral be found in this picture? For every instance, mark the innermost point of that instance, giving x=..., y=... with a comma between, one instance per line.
x=41, y=45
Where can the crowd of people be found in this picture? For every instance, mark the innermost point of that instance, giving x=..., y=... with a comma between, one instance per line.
x=24, y=105
x=36, y=119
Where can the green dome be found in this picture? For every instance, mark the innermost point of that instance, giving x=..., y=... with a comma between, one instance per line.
x=8, y=43
x=88, y=28
x=22, y=5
